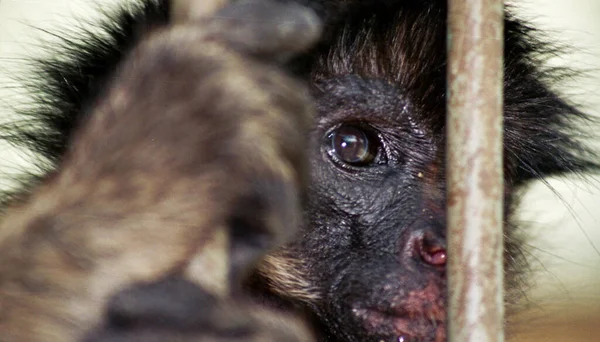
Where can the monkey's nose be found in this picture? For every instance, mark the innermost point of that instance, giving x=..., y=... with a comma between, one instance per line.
x=430, y=248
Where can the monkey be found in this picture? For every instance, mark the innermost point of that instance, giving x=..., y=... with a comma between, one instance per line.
x=368, y=261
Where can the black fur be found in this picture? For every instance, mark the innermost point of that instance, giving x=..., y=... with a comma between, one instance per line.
x=380, y=67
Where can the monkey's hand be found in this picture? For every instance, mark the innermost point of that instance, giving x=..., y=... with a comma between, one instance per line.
x=174, y=309
x=190, y=167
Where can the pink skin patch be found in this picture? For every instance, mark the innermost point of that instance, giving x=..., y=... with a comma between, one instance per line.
x=420, y=316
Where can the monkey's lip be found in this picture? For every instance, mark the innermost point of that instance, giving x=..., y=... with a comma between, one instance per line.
x=402, y=323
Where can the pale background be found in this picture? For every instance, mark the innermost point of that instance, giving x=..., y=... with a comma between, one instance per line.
x=565, y=251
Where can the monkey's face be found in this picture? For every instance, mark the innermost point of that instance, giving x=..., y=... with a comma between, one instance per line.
x=377, y=199
x=374, y=240
x=374, y=243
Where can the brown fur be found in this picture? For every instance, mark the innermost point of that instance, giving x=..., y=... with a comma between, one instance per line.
x=145, y=186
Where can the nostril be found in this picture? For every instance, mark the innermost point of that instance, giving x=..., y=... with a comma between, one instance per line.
x=432, y=251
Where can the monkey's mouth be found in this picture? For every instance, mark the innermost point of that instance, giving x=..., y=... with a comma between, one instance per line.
x=403, y=325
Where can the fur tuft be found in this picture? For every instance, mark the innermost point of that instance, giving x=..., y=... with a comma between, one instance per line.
x=286, y=275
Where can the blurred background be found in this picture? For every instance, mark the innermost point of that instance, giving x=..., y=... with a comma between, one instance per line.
x=564, y=215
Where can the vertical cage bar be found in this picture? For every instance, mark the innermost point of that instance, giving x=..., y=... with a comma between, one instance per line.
x=475, y=170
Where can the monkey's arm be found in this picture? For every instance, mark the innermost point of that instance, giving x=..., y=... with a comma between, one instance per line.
x=197, y=135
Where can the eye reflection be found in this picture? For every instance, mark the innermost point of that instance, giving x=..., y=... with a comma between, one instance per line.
x=353, y=145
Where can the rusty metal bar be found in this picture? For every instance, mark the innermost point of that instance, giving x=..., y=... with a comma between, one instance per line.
x=474, y=170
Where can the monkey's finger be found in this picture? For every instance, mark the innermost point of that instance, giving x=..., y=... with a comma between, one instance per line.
x=185, y=10
x=268, y=29
x=174, y=309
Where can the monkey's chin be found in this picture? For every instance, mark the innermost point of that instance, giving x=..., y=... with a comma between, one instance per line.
x=401, y=326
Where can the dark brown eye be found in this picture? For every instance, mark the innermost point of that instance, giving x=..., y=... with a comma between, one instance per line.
x=353, y=145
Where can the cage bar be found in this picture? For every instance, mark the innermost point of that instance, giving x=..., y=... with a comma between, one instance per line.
x=475, y=170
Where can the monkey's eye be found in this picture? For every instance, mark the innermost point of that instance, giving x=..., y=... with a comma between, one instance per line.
x=353, y=145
